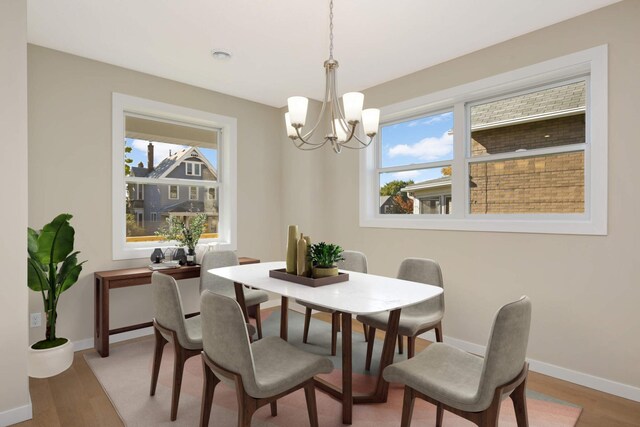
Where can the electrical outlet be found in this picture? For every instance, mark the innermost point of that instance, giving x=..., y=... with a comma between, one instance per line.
x=35, y=320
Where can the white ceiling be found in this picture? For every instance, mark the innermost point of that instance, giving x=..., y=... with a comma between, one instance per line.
x=279, y=46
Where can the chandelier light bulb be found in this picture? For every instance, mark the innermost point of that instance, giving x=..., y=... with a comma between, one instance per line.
x=370, y=121
x=353, y=102
x=340, y=131
x=298, y=110
x=291, y=132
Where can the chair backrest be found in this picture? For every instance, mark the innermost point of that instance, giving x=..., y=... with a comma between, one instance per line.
x=225, y=339
x=216, y=259
x=353, y=261
x=425, y=271
x=507, y=348
x=167, y=305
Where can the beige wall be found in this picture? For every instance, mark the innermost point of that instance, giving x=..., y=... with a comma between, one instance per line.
x=585, y=289
x=14, y=392
x=70, y=171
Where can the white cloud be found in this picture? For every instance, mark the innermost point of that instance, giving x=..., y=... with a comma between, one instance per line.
x=436, y=119
x=428, y=149
x=160, y=149
x=406, y=175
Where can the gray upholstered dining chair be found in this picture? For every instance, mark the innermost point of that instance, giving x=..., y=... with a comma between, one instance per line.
x=468, y=385
x=353, y=261
x=170, y=325
x=415, y=319
x=208, y=281
x=261, y=372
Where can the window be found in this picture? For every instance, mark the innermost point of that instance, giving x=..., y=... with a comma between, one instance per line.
x=174, y=192
x=193, y=193
x=211, y=194
x=524, y=151
x=157, y=149
x=193, y=169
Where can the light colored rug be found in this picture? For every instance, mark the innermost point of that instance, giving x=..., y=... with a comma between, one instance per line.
x=125, y=376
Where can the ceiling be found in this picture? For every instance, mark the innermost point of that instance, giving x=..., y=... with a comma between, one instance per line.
x=279, y=46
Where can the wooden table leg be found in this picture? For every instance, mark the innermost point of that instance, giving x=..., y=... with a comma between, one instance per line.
x=101, y=315
x=240, y=298
x=284, y=318
x=388, y=350
x=347, y=377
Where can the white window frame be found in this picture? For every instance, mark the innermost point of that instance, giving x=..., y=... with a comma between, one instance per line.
x=123, y=105
x=139, y=191
x=169, y=192
x=154, y=216
x=209, y=193
x=591, y=62
x=193, y=168
x=197, y=192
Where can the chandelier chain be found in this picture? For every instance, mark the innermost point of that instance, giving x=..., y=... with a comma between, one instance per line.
x=331, y=29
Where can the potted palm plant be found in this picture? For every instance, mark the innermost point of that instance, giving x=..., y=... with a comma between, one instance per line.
x=323, y=257
x=186, y=233
x=52, y=268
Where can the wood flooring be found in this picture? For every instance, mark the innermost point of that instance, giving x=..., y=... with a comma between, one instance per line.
x=75, y=397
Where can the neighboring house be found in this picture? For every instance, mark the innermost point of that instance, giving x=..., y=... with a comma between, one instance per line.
x=152, y=204
x=430, y=197
x=551, y=183
x=389, y=205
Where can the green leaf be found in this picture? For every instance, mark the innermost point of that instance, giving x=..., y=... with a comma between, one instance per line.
x=36, y=278
x=70, y=279
x=55, y=242
x=68, y=264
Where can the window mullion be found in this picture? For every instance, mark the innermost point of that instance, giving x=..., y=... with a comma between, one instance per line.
x=458, y=169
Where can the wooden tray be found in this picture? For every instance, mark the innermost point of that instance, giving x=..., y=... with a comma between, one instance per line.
x=282, y=274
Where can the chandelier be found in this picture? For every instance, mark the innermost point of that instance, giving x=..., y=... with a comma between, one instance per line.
x=342, y=124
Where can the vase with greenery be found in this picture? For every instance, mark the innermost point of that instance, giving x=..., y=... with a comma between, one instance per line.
x=185, y=233
x=323, y=257
x=52, y=268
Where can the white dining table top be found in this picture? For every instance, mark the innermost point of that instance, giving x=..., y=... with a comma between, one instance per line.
x=361, y=294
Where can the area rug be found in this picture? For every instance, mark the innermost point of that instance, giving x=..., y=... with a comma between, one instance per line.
x=125, y=376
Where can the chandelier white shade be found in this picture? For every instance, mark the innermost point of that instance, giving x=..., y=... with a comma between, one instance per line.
x=341, y=120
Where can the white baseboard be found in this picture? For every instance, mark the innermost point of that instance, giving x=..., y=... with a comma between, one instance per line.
x=580, y=378
x=16, y=415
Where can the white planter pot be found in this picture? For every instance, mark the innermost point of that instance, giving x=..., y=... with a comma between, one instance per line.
x=51, y=361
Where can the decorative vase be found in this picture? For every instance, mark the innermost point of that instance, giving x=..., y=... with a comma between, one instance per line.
x=292, y=249
x=181, y=256
x=191, y=257
x=320, y=272
x=308, y=265
x=48, y=362
x=157, y=256
x=301, y=265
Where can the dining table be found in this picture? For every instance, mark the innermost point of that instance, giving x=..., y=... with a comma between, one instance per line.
x=362, y=293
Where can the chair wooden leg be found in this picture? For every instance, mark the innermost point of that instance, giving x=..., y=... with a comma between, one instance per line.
x=519, y=398
x=246, y=410
x=178, y=369
x=307, y=320
x=258, y=321
x=312, y=408
x=489, y=418
x=365, y=329
x=274, y=408
x=370, y=341
x=157, y=359
x=438, y=330
x=411, y=347
x=407, y=406
x=208, y=387
x=400, y=341
x=335, y=325
x=439, y=414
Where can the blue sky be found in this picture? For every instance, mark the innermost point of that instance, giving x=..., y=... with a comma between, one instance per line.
x=161, y=151
x=422, y=140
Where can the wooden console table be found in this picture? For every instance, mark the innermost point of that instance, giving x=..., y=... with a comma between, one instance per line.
x=113, y=279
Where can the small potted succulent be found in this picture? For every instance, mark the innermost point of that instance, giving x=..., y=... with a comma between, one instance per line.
x=185, y=233
x=323, y=257
x=52, y=268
